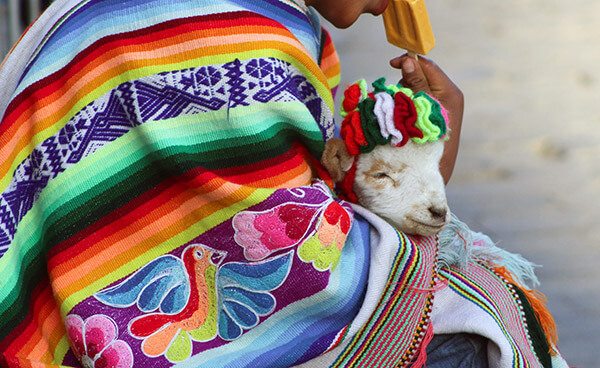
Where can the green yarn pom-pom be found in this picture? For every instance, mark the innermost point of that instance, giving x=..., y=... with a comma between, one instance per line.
x=370, y=126
x=436, y=116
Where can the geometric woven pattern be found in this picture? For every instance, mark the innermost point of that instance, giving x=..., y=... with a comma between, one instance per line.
x=158, y=97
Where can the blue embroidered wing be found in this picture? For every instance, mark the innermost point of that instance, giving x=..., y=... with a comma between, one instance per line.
x=161, y=284
x=243, y=292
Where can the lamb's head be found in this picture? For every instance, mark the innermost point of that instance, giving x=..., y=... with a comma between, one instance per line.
x=388, y=160
x=402, y=185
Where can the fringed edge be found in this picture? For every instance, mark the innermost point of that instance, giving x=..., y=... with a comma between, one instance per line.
x=537, y=301
x=459, y=245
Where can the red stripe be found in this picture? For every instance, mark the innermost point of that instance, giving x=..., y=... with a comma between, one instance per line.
x=126, y=215
x=164, y=192
x=55, y=81
x=20, y=335
x=295, y=157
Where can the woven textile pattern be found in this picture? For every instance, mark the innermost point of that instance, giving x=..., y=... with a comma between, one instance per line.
x=162, y=202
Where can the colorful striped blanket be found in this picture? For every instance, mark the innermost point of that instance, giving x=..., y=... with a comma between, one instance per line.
x=160, y=203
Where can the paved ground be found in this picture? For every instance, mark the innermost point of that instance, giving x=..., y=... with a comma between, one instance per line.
x=529, y=169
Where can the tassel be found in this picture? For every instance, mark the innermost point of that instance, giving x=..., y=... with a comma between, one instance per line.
x=522, y=270
x=459, y=245
x=456, y=243
x=537, y=300
x=422, y=353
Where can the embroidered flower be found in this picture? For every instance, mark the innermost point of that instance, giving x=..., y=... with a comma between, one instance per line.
x=324, y=248
x=94, y=342
x=261, y=233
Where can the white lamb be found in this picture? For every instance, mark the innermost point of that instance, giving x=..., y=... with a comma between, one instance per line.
x=403, y=184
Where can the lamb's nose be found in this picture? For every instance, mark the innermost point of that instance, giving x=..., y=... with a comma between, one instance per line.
x=438, y=213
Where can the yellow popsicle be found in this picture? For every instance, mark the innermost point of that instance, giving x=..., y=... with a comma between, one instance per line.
x=407, y=26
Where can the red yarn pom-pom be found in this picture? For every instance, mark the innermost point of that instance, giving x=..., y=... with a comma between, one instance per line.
x=405, y=117
x=352, y=96
x=352, y=133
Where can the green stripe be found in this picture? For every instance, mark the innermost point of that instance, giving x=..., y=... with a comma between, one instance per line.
x=536, y=333
x=161, y=139
x=187, y=136
x=466, y=291
x=123, y=169
x=198, y=134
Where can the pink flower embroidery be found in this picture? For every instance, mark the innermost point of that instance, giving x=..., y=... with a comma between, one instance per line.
x=264, y=232
x=95, y=343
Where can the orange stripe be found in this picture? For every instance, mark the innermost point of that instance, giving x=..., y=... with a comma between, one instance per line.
x=142, y=48
x=24, y=133
x=121, y=250
x=331, y=66
x=45, y=112
x=32, y=332
x=43, y=332
x=122, y=227
x=159, y=219
x=52, y=330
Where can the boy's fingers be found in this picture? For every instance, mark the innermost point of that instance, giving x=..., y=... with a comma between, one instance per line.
x=397, y=62
x=413, y=76
x=434, y=74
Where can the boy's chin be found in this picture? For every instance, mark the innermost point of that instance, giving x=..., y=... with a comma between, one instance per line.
x=342, y=21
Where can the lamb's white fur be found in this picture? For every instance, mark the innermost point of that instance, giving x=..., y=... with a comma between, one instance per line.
x=403, y=185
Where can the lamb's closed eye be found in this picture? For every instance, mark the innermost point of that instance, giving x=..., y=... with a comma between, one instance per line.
x=385, y=177
x=381, y=175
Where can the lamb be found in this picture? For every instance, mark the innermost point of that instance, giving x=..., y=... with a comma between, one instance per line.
x=388, y=161
x=399, y=180
x=404, y=186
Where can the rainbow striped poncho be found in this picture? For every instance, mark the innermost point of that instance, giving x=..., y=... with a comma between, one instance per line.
x=158, y=201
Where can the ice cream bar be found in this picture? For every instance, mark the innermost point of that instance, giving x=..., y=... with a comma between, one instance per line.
x=407, y=26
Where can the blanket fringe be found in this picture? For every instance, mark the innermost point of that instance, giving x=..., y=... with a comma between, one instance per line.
x=459, y=245
x=537, y=300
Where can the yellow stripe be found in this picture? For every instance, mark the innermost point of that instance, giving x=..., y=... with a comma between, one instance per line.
x=61, y=350
x=138, y=69
x=249, y=196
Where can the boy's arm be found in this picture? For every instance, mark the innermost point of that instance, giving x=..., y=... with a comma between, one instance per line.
x=425, y=75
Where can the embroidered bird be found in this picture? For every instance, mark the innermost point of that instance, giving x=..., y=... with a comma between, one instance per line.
x=194, y=298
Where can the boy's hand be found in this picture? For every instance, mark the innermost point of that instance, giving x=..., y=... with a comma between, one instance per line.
x=424, y=75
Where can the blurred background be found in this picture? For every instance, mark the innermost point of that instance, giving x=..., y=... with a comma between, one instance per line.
x=528, y=172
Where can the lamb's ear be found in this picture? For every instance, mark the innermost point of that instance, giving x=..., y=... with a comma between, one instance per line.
x=336, y=159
